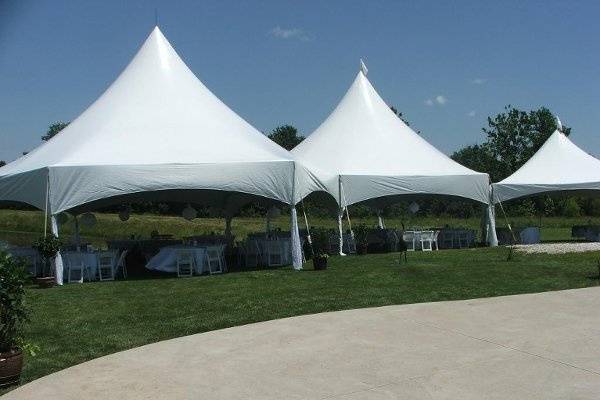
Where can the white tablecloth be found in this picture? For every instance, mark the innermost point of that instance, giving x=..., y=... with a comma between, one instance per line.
x=530, y=235
x=166, y=259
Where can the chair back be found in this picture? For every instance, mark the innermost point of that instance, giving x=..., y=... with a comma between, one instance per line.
x=185, y=257
x=106, y=259
x=185, y=262
x=122, y=257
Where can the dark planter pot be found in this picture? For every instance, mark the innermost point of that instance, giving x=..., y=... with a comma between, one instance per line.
x=361, y=249
x=46, y=282
x=11, y=364
x=319, y=263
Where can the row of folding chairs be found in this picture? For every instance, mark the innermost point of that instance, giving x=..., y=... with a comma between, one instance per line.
x=108, y=266
x=271, y=254
x=214, y=259
x=427, y=239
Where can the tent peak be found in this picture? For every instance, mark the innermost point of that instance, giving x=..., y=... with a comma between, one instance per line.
x=363, y=67
x=559, y=126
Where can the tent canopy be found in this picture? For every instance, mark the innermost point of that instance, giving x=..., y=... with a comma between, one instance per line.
x=157, y=127
x=559, y=165
x=364, y=151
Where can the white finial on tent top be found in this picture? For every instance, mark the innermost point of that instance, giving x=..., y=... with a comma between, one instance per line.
x=156, y=17
x=363, y=68
x=558, y=124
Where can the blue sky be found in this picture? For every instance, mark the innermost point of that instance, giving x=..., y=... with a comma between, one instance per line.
x=446, y=64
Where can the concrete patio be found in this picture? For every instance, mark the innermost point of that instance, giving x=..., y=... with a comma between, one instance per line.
x=534, y=346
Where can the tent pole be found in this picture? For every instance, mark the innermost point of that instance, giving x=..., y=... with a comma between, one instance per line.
x=77, y=234
x=380, y=223
x=308, y=238
x=46, y=205
x=492, y=236
x=341, y=230
x=58, y=261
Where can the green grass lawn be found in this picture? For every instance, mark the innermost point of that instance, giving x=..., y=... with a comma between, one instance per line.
x=79, y=322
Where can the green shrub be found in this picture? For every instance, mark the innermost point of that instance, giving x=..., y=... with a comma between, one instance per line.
x=320, y=241
x=571, y=208
x=361, y=234
x=13, y=313
x=47, y=246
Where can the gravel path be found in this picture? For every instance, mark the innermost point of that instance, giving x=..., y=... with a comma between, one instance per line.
x=558, y=248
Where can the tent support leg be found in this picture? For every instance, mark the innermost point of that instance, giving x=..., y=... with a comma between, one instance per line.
x=295, y=236
x=341, y=231
x=58, y=261
x=492, y=238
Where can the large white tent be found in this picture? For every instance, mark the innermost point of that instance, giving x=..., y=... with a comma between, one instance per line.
x=559, y=165
x=156, y=129
x=363, y=151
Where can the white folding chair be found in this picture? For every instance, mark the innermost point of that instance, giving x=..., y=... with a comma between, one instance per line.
x=122, y=264
x=448, y=239
x=214, y=259
x=349, y=244
x=274, y=253
x=106, y=266
x=222, y=249
x=185, y=263
x=435, y=239
x=427, y=240
x=253, y=254
x=463, y=239
x=409, y=238
x=75, y=264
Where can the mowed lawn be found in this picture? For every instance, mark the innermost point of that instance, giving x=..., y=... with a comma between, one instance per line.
x=79, y=322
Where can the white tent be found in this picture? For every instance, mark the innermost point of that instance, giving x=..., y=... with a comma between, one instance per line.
x=156, y=129
x=559, y=165
x=364, y=151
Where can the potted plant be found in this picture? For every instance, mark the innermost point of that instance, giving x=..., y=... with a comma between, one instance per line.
x=320, y=244
x=361, y=236
x=13, y=316
x=47, y=247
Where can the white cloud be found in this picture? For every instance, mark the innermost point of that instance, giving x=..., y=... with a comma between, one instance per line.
x=429, y=102
x=478, y=81
x=471, y=113
x=441, y=100
x=291, y=33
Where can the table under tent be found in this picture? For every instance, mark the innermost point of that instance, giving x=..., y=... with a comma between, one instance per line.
x=559, y=166
x=157, y=133
x=364, y=152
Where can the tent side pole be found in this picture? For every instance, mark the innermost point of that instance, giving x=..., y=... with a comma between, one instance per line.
x=296, y=246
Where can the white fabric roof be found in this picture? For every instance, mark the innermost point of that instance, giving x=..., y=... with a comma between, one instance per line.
x=157, y=127
x=559, y=165
x=374, y=154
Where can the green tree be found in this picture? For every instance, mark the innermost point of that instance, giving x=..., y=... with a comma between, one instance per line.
x=54, y=129
x=286, y=136
x=513, y=136
x=478, y=157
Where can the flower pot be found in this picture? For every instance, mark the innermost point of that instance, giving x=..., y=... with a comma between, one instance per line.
x=46, y=282
x=319, y=263
x=361, y=249
x=11, y=364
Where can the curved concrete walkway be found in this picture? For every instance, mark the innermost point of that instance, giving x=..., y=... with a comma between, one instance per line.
x=538, y=346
